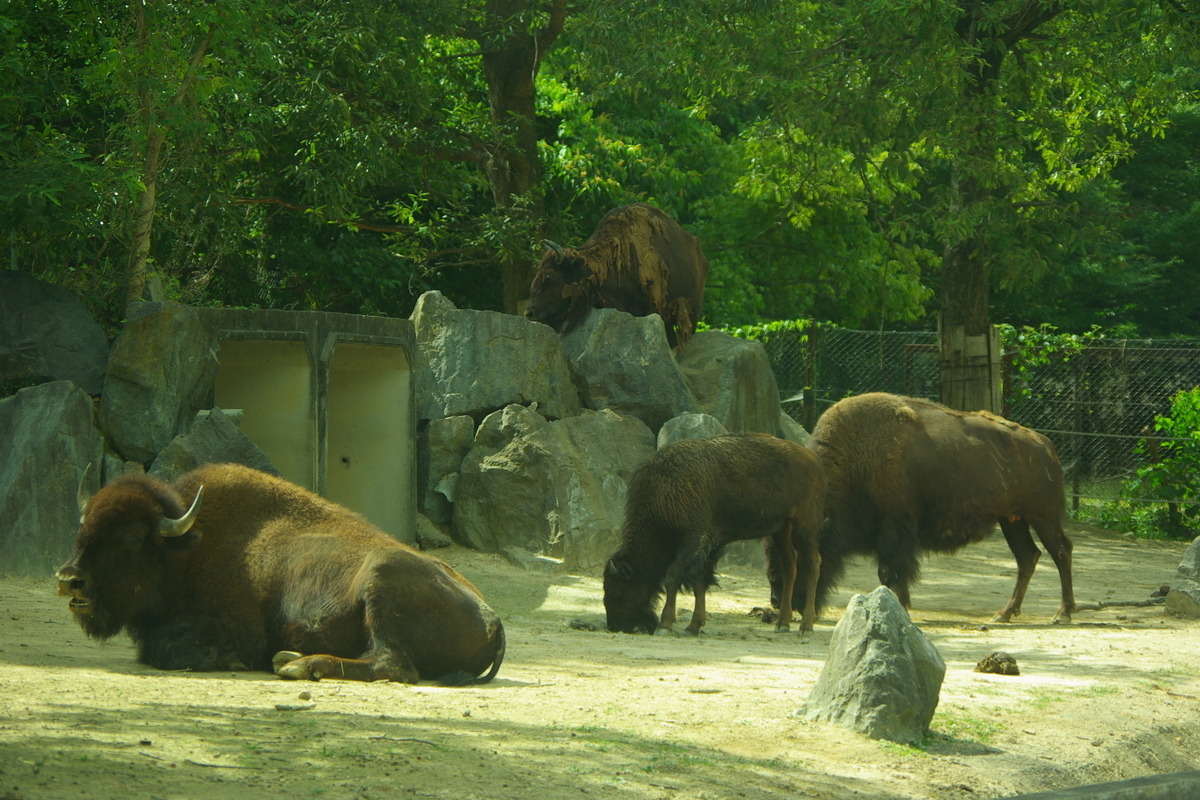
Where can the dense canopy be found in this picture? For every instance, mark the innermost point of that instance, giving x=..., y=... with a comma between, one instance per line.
x=872, y=162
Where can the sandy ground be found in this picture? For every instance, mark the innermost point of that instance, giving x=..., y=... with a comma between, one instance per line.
x=573, y=712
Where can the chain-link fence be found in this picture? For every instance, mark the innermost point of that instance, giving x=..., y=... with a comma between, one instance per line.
x=1097, y=402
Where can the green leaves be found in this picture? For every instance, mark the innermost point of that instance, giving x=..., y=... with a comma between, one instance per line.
x=1172, y=470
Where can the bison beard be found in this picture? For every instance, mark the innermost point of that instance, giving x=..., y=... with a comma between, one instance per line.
x=908, y=476
x=637, y=260
x=260, y=567
x=691, y=500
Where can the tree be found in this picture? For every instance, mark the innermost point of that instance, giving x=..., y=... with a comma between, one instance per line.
x=163, y=91
x=967, y=125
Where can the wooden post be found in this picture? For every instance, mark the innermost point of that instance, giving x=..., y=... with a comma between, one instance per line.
x=812, y=330
x=971, y=370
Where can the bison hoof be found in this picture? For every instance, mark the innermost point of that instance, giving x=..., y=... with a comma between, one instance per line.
x=691, y=631
x=297, y=672
x=782, y=627
x=664, y=632
x=284, y=657
x=1061, y=619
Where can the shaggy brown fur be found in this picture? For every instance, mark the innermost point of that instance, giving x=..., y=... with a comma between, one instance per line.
x=908, y=475
x=268, y=566
x=695, y=497
x=637, y=260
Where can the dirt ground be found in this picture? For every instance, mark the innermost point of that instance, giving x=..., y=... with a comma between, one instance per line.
x=1114, y=695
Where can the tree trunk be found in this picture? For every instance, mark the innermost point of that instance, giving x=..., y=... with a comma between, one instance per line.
x=510, y=64
x=143, y=224
x=136, y=277
x=964, y=298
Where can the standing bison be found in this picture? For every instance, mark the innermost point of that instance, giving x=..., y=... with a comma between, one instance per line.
x=229, y=566
x=908, y=476
x=692, y=499
x=637, y=260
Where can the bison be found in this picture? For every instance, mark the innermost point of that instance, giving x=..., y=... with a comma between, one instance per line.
x=908, y=476
x=230, y=565
x=694, y=497
x=637, y=260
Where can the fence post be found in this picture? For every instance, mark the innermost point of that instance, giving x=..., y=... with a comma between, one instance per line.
x=970, y=370
x=811, y=331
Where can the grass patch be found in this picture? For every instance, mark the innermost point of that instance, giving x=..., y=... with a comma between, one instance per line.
x=958, y=725
x=904, y=749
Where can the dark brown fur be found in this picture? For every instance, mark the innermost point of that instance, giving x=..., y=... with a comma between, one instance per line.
x=269, y=566
x=907, y=476
x=693, y=498
x=637, y=260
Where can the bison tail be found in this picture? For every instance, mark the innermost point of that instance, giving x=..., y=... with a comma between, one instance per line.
x=463, y=678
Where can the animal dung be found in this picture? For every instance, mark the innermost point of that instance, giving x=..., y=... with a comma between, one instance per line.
x=583, y=625
x=998, y=663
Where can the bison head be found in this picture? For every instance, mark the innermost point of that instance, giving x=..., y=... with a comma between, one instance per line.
x=628, y=598
x=129, y=534
x=560, y=295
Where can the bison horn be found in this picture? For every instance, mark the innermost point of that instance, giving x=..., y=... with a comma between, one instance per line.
x=549, y=245
x=81, y=494
x=170, y=528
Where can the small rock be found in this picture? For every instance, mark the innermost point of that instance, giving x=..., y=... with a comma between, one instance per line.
x=305, y=695
x=295, y=706
x=998, y=663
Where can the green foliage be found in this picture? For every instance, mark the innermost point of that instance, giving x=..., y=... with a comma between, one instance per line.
x=1028, y=348
x=1172, y=472
x=335, y=155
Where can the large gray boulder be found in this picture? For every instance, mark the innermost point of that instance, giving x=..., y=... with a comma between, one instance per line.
x=623, y=363
x=49, y=441
x=553, y=488
x=213, y=439
x=689, y=426
x=160, y=373
x=441, y=447
x=732, y=380
x=882, y=676
x=47, y=334
x=791, y=430
x=477, y=362
x=1184, y=598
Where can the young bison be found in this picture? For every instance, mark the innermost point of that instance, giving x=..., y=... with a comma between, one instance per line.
x=695, y=497
x=229, y=566
x=907, y=476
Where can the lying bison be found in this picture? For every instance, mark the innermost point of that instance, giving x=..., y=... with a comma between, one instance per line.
x=907, y=476
x=692, y=499
x=637, y=260
x=258, y=566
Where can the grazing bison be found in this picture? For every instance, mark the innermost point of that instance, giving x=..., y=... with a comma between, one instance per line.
x=229, y=566
x=637, y=260
x=908, y=476
x=692, y=499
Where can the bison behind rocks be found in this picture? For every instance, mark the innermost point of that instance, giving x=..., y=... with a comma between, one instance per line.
x=694, y=497
x=259, y=566
x=908, y=476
